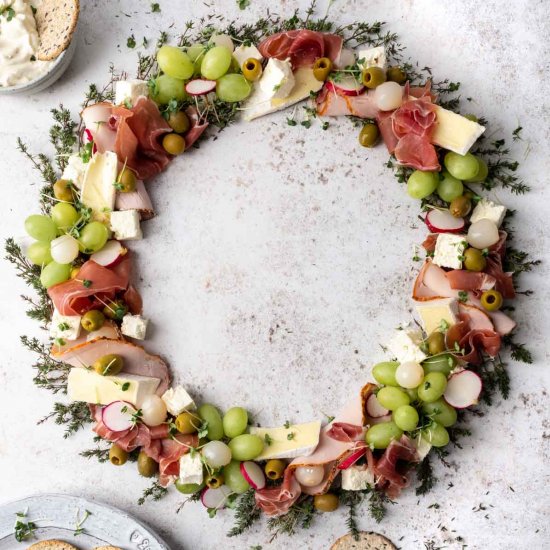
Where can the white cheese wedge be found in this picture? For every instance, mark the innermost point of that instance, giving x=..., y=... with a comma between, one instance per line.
x=372, y=57
x=357, y=478
x=486, y=209
x=74, y=171
x=125, y=224
x=128, y=91
x=405, y=345
x=89, y=386
x=191, y=470
x=98, y=187
x=449, y=250
x=435, y=314
x=260, y=103
x=277, y=80
x=243, y=53
x=134, y=326
x=303, y=440
x=64, y=327
x=455, y=132
x=178, y=400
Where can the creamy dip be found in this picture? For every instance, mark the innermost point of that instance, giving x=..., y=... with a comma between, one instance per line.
x=18, y=44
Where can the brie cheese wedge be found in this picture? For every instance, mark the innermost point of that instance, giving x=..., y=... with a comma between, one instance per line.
x=98, y=187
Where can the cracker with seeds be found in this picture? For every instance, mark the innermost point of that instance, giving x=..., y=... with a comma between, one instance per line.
x=365, y=541
x=52, y=545
x=56, y=23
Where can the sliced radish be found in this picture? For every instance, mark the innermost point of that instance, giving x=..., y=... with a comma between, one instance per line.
x=253, y=474
x=442, y=221
x=215, y=498
x=200, y=86
x=374, y=409
x=117, y=416
x=352, y=458
x=348, y=85
x=463, y=389
x=109, y=255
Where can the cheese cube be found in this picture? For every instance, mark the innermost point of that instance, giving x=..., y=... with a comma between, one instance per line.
x=304, y=440
x=74, y=171
x=243, y=53
x=486, y=209
x=178, y=400
x=98, y=186
x=449, y=250
x=125, y=225
x=405, y=345
x=372, y=57
x=89, y=386
x=277, y=79
x=128, y=91
x=191, y=470
x=455, y=132
x=64, y=327
x=134, y=326
x=357, y=478
x=434, y=312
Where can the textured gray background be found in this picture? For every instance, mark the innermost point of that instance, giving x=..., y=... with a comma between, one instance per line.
x=279, y=260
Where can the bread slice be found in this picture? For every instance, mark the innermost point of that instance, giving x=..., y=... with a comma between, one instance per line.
x=366, y=541
x=56, y=23
x=52, y=545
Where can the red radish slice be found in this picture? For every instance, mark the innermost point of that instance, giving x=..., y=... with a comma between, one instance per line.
x=463, y=389
x=352, y=459
x=347, y=86
x=442, y=221
x=109, y=255
x=374, y=409
x=200, y=86
x=253, y=474
x=89, y=138
x=117, y=416
x=215, y=498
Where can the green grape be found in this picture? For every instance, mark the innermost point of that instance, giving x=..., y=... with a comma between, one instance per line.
x=233, y=87
x=167, y=88
x=246, y=447
x=436, y=435
x=216, y=62
x=433, y=387
x=421, y=184
x=392, y=398
x=188, y=488
x=174, y=62
x=412, y=393
x=235, y=421
x=64, y=215
x=41, y=228
x=39, y=253
x=93, y=237
x=384, y=373
x=210, y=414
x=406, y=418
x=194, y=51
x=441, y=412
x=449, y=187
x=444, y=363
x=234, y=479
x=381, y=435
x=55, y=273
x=462, y=167
x=482, y=172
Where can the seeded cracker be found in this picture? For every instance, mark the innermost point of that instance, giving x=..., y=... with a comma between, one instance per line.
x=56, y=23
x=52, y=545
x=367, y=541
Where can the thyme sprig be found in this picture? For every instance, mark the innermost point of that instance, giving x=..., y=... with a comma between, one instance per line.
x=62, y=135
x=299, y=515
x=246, y=513
x=426, y=477
x=100, y=453
x=73, y=415
x=155, y=492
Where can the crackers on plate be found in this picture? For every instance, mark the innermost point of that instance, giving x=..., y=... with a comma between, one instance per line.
x=52, y=545
x=56, y=23
x=365, y=541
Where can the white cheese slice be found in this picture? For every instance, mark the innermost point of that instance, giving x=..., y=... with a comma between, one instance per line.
x=372, y=57
x=435, y=313
x=64, y=327
x=128, y=91
x=191, y=470
x=134, y=326
x=283, y=442
x=486, y=209
x=449, y=250
x=89, y=386
x=98, y=187
x=74, y=171
x=455, y=132
x=405, y=345
x=357, y=478
x=243, y=53
x=277, y=79
x=178, y=400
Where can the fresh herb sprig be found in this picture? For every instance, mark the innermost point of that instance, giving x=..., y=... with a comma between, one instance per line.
x=246, y=513
x=155, y=492
x=23, y=530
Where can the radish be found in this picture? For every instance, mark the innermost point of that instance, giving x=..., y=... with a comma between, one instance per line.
x=215, y=498
x=374, y=409
x=89, y=138
x=109, y=255
x=352, y=458
x=463, y=389
x=442, y=221
x=200, y=86
x=346, y=86
x=117, y=416
x=253, y=474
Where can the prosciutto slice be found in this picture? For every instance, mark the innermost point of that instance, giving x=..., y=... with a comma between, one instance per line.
x=474, y=281
x=197, y=128
x=329, y=103
x=171, y=451
x=276, y=501
x=416, y=152
x=473, y=341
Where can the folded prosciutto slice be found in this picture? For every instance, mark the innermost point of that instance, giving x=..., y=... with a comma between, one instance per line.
x=197, y=128
x=170, y=452
x=330, y=103
x=276, y=501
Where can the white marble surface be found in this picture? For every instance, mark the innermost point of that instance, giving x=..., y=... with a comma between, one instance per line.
x=280, y=258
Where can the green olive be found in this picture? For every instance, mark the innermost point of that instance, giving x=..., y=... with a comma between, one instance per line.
x=173, y=144
x=63, y=190
x=396, y=74
x=109, y=365
x=491, y=300
x=326, y=503
x=147, y=467
x=436, y=343
x=373, y=76
x=252, y=69
x=115, y=309
x=322, y=68
x=474, y=260
x=179, y=122
x=368, y=135
x=460, y=206
x=215, y=480
x=275, y=468
x=187, y=423
x=92, y=320
x=188, y=488
x=117, y=456
x=126, y=181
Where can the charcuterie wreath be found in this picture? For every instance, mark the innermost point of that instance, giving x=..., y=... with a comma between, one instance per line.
x=439, y=370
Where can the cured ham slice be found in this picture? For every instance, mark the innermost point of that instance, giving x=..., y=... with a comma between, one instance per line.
x=171, y=451
x=197, y=127
x=474, y=281
x=330, y=103
x=342, y=431
x=416, y=152
x=108, y=330
x=136, y=200
x=276, y=501
x=473, y=341
x=96, y=120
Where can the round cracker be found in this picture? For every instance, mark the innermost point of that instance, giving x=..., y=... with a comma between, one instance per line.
x=52, y=545
x=56, y=23
x=107, y=548
x=365, y=541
